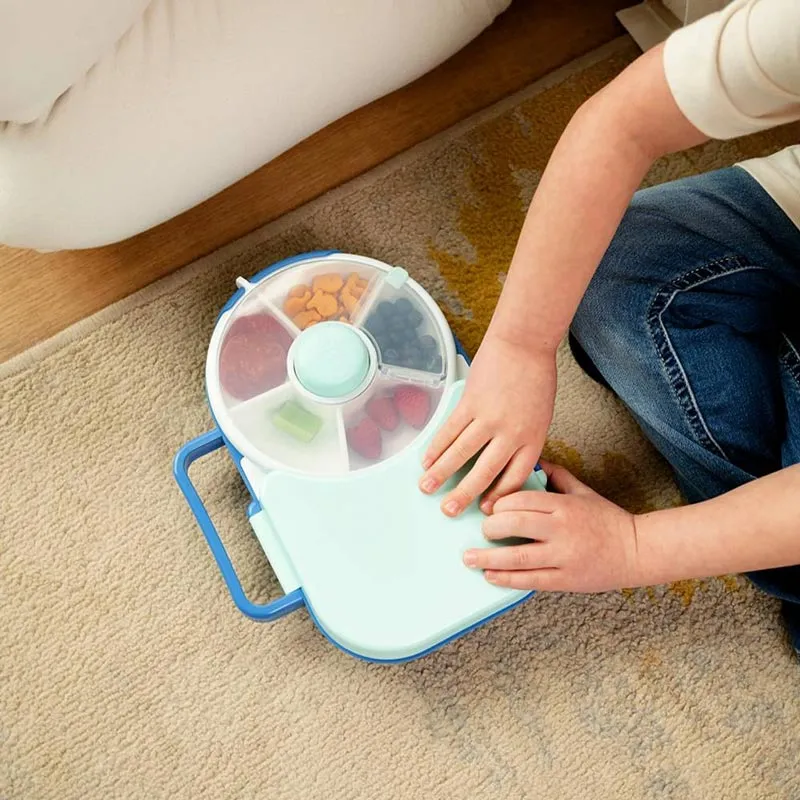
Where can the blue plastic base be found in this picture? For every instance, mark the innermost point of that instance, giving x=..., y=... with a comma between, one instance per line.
x=429, y=650
x=186, y=456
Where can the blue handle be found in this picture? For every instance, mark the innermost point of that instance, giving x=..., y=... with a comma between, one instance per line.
x=187, y=455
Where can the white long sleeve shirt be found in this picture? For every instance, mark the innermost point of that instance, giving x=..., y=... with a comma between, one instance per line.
x=737, y=71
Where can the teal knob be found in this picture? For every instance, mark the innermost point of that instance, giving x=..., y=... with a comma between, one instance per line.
x=330, y=359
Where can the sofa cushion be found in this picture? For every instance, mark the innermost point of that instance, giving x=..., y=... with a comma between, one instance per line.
x=196, y=95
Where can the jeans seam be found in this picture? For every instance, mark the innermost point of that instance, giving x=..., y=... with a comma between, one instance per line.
x=792, y=359
x=672, y=367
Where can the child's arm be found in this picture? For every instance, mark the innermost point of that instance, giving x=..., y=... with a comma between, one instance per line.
x=756, y=526
x=585, y=543
x=596, y=167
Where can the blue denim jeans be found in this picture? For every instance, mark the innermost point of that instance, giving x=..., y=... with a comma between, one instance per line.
x=693, y=320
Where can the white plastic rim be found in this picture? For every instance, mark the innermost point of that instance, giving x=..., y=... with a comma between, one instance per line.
x=214, y=391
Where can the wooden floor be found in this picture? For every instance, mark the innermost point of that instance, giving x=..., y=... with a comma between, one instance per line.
x=531, y=39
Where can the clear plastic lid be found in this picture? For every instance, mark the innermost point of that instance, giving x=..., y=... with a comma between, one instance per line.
x=329, y=365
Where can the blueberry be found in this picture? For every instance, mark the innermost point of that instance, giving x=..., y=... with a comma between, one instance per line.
x=398, y=323
x=391, y=356
x=415, y=318
x=403, y=306
x=428, y=344
x=414, y=353
x=435, y=364
x=417, y=363
x=375, y=325
x=386, y=309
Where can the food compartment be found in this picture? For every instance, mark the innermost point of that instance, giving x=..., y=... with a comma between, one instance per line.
x=293, y=431
x=329, y=290
x=253, y=352
x=405, y=332
x=387, y=419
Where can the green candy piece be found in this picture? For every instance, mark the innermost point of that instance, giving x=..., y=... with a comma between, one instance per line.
x=293, y=419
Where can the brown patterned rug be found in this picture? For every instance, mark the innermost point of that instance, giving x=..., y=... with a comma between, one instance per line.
x=126, y=670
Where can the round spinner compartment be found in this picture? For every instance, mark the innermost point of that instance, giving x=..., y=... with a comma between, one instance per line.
x=327, y=365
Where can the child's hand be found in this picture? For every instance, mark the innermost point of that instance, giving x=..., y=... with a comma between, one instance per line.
x=583, y=542
x=506, y=409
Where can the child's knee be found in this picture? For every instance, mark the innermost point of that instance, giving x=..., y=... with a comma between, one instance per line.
x=610, y=321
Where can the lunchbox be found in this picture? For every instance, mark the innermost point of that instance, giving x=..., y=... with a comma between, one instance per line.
x=327, y=375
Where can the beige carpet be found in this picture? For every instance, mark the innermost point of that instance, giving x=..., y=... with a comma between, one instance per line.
x=126, y=671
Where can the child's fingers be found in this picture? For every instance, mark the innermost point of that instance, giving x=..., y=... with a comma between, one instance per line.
x=539, y=580
x=521, y=523
x=563, y=481
x=466, y=444
x=458, y=421
x=526, y=501
x=518, y=557
x=479, y=478
x=512, y=478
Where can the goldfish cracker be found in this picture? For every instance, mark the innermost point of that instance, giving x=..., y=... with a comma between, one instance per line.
x=355, y=285
x=330, y=284
x=305, y=319
x=325, y=304
x=349, y=302
x=299, y=291
x=344, y=318
x=293, y=305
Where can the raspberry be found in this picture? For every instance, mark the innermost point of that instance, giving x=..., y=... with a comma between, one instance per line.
x=414, y=405
x=382, y=411
x=365, y=439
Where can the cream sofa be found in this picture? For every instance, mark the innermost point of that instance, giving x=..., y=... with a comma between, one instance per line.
x=116, y=115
